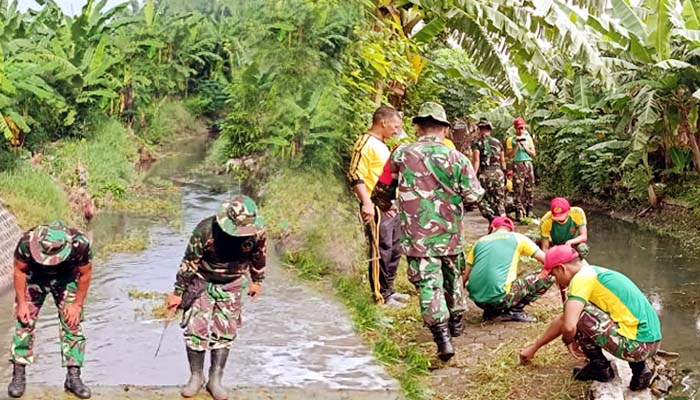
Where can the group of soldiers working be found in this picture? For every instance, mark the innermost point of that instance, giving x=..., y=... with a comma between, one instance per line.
x=57, y=260
x=413, y=202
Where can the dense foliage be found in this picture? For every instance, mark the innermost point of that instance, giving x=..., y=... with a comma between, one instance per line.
x=610, y=90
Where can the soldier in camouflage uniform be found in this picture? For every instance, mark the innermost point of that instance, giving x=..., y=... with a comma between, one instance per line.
x=521, y=149
x=223, y=248
x=57, y=260
x=489, y=163
x=433, y=183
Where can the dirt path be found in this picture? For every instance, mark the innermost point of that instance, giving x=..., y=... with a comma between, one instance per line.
x=485, y=366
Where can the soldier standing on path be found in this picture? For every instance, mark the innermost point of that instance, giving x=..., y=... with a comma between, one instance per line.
x=433, y=183
x=521, y=149
x=57, y=260
x=489, y=164
x=208, y=287
x=369, y=155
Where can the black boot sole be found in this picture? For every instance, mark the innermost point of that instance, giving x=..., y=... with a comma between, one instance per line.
x=598, y=379
x=445, y=357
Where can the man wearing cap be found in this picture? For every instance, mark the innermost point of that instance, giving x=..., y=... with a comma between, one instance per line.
x=604, y=310
x=489, y=164
x=221, y=250
x=521, y=149
x=564, y=224
x=369, y=155
x=433, y=183
x=492, y=278
x=57, y=260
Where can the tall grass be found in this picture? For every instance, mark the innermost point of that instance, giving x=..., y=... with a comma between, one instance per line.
x=108, y=155
x=164, y=119
x=33, y=196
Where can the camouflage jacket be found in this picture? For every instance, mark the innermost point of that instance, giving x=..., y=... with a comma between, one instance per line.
x=80, y=255
x=490, y=150
x=432, y=182
x=222, y=260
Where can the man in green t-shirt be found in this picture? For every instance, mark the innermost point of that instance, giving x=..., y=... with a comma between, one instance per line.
x=492, y=273
x=564, y=224
x=604, y=310
x=521, y=150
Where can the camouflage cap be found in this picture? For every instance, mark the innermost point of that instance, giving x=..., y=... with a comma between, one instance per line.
x=239, y=217
x=431, y=110
x=483, y=123
x=50, y=244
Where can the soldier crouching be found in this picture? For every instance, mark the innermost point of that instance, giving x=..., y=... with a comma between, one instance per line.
x=222, y=249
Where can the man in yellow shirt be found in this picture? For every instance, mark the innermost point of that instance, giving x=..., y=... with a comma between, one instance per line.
x=604, y=309
x=564, y=224
x=369, y=156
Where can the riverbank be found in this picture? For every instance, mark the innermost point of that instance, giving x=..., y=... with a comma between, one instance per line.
x=113, y=161
x=316, y=222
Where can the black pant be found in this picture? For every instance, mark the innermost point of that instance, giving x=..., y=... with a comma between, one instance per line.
x=389, y=253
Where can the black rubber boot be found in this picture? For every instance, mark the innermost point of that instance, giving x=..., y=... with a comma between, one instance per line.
x=75, y=385
x=441, y=336
x=597, y=369
x=196, y=382
x=641, y=376
x=456, y=325
x=517, y=314
x=19, y=381
x=216, y=374
x=518, y=215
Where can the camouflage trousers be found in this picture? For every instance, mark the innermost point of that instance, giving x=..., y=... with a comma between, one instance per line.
x=523, y=184
x=595, y=328
x=493, y=203
x=523, y=291
x=213, y=320
x=439, y=284
x=72, y=339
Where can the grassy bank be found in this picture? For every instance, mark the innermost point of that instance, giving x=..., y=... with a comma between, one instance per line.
x=38, y=189
x=316, y=221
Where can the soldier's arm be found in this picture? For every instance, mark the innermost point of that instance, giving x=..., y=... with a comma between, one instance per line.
x=476, y=160
x=385, y=191
x=468, y=185
x=258, y=257
x=503, y=161
x=84, y=277
x=20, y=271
x=190, y=263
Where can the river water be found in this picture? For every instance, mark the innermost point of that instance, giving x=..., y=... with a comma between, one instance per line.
x=293, y=336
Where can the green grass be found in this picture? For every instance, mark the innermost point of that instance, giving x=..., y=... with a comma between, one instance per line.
x=166, y=119
x=108, y=156
x=33, y=196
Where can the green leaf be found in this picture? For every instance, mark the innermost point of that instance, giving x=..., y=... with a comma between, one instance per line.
x=149, y=13
x=628, y=18
x=672, y=64
x=582, y=92
x=610, y=144
x=691, y=14
x=429, y=31
x=660, y=22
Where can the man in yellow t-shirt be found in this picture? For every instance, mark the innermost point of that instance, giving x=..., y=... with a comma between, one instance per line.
x=492, y=273
x=564, y=224
x=604, y=309
x=369, y=155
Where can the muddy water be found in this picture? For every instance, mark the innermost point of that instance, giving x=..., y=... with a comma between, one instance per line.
x=293, y=336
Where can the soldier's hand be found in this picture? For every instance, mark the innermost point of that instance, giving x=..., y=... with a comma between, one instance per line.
x=172, y=303
x=254, y=290
x=71, y=313
x=22, y=312
x=367, y=212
